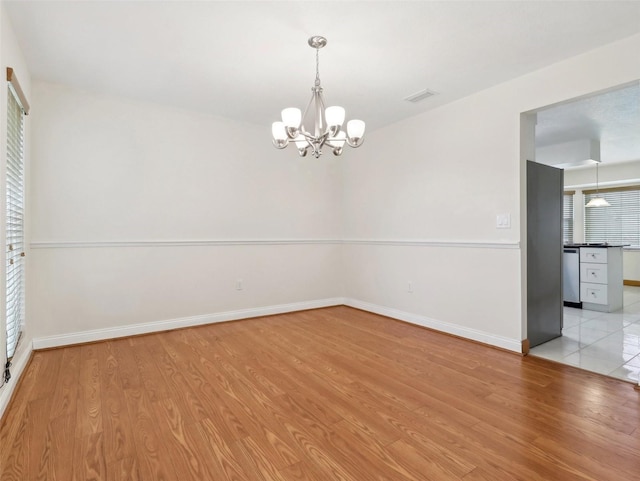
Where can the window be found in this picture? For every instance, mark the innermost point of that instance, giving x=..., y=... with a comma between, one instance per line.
x=620, y=222
x=567, y=218
x=17, y=108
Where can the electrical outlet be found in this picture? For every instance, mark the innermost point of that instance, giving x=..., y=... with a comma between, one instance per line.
x=239, y=285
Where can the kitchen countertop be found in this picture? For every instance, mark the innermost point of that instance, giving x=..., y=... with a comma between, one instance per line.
x=598, y=244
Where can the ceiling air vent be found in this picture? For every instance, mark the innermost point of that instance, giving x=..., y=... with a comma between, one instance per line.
x=419, y=96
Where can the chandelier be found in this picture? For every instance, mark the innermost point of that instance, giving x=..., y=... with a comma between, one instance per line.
x=325, y=128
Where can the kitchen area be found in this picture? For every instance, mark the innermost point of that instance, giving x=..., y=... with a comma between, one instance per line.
x=594, y=141
x=601, y=315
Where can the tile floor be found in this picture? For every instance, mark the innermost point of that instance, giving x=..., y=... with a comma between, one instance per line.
x=607, y=343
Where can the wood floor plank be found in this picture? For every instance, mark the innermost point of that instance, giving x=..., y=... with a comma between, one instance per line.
x=118, y=434
x=318, y=455
x=600, y=431
x=264, y=413
x=219, y=451
x=332, y=389
x=413, y=458
x=38, y=443
x=260, y=461
x=240, y=415
x=257, y=406
x=371, y=350
x=12, y=421
x=175, y=380
x=602, y=467
x=14, y=452
x=180, y=442
x=153, y=461
x=354, y=436
x=203, y=379
x=48, y=375
x=65, y=396
x=150, y=375
x=128, y=371
x=327, y=394
x=89, y=409
x=90, y=461
x=302, y=471
x=480, y=474
x=61, y=436
x=348, y=368
x=342, y=399
x=543, y=463
x=124, y=470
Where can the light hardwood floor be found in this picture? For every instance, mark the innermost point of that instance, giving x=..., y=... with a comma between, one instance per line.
x=323, y=395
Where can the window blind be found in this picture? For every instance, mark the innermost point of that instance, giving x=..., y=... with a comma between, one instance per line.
x=14, y=221
x=619, y=223
x=567, y=218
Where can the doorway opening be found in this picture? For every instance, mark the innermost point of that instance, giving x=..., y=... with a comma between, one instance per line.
x=574, y=135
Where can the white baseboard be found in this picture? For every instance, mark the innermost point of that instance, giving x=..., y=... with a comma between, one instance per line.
x=17, y=366
x=157, y=326
x=514, y=345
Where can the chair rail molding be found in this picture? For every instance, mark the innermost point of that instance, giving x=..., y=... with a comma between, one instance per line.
x=471, y=244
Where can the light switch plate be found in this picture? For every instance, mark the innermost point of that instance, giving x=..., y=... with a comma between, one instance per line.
x=503, y=221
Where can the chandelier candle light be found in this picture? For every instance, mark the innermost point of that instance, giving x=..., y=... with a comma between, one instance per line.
x=327, y=122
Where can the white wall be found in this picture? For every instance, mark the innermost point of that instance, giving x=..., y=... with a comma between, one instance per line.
x=627, y=173
x=441, y=178
x=143, y=214
x=11, y=56
x=631, y=265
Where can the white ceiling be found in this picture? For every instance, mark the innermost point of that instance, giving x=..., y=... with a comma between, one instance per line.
x=612, y=118
x=248, y=60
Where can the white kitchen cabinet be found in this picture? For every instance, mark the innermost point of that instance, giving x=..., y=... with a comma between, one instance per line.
x=594, y=254
x=601, y=278
x=594, y=294
x=594, y=273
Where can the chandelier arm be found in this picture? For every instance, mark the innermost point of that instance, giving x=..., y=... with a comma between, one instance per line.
x=322, y=139
x=316, y=143
x=309, y=137
x=319, y=140
x=306, y=110
x=322, y=123
x=319, y=121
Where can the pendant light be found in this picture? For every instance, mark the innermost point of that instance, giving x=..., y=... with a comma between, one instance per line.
x=597, y=201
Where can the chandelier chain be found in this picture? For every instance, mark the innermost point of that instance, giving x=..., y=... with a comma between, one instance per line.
x=317, y=67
